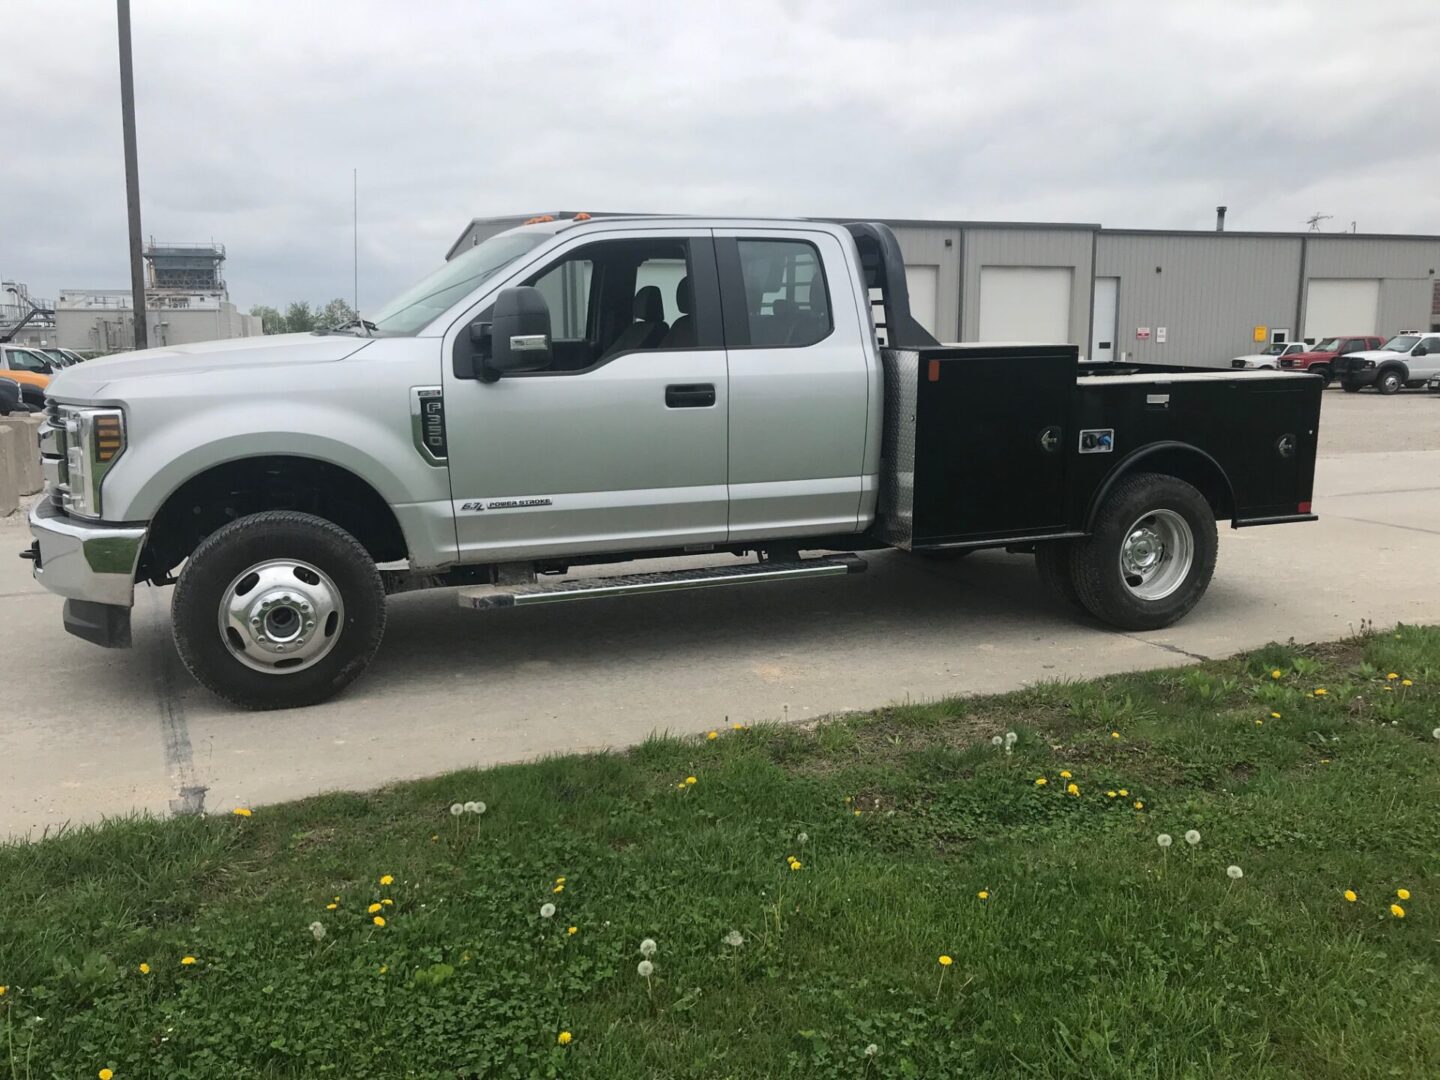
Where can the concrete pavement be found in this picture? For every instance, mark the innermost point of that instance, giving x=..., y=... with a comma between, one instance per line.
x=88, y=732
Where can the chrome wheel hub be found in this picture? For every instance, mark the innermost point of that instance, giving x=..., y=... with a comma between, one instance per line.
x=281, y=616
x=1156, y=555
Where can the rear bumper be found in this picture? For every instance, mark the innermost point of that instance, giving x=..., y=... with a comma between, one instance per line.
x=93, y=563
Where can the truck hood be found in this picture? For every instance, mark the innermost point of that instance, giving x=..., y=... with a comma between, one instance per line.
x=1379, y=354
x=89, y=380
x=1310, y=357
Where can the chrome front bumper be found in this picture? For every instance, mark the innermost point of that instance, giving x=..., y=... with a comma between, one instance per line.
x=87, y=561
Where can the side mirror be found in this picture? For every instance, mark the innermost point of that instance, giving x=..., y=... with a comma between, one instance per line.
x=519, y=331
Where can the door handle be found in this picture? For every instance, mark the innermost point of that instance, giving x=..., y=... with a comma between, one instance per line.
x=690, y=396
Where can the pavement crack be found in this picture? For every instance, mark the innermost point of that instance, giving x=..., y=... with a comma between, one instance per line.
x=175, y=735
x=1169, y=648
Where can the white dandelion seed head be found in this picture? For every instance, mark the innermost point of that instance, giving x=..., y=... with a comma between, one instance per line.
x=645, y=969
x=1164, y=839
x=317, y=930
x=1192, y=837
x=1011, y=738
x=647, y=948
x=871, y=1050
x=734, y=939
x=472, y=807
x=1234, y=873
x=547, y=910
x=1436, y=733
x=480, y=808
x=995, y=740
x=456, y=809
x=802, y=838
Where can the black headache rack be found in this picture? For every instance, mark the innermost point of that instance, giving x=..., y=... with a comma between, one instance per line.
x=1010, y=445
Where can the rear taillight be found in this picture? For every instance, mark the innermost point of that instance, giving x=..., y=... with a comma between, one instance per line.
x=1303, y=508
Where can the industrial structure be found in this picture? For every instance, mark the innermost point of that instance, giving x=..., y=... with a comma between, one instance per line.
x=25, y=319
x=1158, y=295
x=186, y=300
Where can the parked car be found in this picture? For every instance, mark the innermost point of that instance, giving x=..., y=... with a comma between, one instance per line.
x=1269, y=358
x=706, y=385
x=26, y=365
x=58, y=357
x=10, y=398
x=1318, y=360
x=1407, y=359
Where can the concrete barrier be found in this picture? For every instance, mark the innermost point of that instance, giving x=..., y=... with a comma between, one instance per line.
x=9, y=473
x=30, y=477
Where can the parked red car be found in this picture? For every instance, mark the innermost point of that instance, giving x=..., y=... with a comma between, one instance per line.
x=1318, y=361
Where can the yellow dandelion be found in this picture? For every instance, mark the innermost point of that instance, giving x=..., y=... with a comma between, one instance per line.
x=1114, y=734
x=681, y=785
x=144, y=969
x=1109, y=794
x=387, y=879
x=1274, y=716
x=1350, y=896
x=564, y=1038
x=1320, y=691
x=3, y=990
x=186, y=961
x=1064, y=774
x=857, y=813
x=737, y=726
x=379, y=920
x=106, y=1074
x=712, y=735
x=1406, y=682
x=384, y=968
x=1139, y=805
x=796, y=865
x=573, y=930
x=331, y=906
x=1397, y=911
x=1040, y=781
x=434, y=837
x=690, y=780
x=1259, y=723
x=1072, y=789
x=373, y=908
x=558, y=889
x=1277, y=674
x=1123, y=793
x=1392, y=676
x=983, y=894
x=559, y=881
x=239, y=811
x=1403, y=894
x=388, y=902
x=946, y=961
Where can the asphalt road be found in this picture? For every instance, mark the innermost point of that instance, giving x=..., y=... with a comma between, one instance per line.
x=88, y=733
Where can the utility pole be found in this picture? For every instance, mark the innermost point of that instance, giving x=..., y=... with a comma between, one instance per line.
x=132, y=175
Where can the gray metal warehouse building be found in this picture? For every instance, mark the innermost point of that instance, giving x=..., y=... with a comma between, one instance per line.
x=1171, y=296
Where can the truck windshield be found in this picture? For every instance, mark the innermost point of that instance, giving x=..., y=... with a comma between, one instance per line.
x=420, y=304
x=1400, y=343
x=1275, y=350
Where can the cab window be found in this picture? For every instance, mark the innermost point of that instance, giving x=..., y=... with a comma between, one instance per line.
x=787, y=300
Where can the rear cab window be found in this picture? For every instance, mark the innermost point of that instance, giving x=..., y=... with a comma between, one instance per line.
x=784, y=297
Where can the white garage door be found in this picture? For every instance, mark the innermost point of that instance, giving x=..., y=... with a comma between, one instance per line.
x=923, y=285
x=1342, y=306
x=1025, y=303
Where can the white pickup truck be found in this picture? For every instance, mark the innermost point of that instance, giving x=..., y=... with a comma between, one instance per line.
x=596, y=391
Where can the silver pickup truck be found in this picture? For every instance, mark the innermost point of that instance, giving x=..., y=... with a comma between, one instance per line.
x=580, y=392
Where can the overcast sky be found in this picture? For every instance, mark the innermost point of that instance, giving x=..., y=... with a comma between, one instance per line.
x=251, y=116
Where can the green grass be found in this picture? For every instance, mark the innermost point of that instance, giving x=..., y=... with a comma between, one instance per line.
x=1097, y=954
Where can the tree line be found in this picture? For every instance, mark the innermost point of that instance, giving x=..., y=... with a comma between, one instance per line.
x=299, y=317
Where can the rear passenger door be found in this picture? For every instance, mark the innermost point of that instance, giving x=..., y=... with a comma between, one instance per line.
x=800, y=383
x=1422, y=367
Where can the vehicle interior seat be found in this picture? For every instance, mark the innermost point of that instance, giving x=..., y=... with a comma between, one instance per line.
x=682, y=330
x=649, y=327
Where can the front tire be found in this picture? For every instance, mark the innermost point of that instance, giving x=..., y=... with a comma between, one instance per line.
x=1389, y=382
x=278, y=610
x=1326, y=375
x=1150, y=556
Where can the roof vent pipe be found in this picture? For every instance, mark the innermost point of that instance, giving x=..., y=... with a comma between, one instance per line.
x=1220, y=218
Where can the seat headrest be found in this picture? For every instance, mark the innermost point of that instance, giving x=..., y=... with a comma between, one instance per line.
x=683, y=296
x=649, y=305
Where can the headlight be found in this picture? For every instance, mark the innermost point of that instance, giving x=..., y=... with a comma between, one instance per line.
x=94, y=441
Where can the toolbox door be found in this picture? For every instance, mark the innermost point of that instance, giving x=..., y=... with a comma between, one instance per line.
x=993, y=435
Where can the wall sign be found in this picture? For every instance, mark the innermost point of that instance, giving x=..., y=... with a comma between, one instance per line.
x=1142, y=333
x=1160, y=335
x=1262, y=334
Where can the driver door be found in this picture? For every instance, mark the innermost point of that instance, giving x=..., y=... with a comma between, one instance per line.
x=622, y=442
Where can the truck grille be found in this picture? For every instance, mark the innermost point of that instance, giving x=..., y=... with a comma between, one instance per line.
x=53, y=455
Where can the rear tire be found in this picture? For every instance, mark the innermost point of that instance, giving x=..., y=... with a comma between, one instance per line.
x=1150, y=555
x=278, y=610
x=1052, y=563
x=1389, y=382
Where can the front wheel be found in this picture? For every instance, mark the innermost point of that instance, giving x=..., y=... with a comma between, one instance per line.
x=1389, y=382
x=278, y=610
x=1150, y=556
x=1326, y=375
